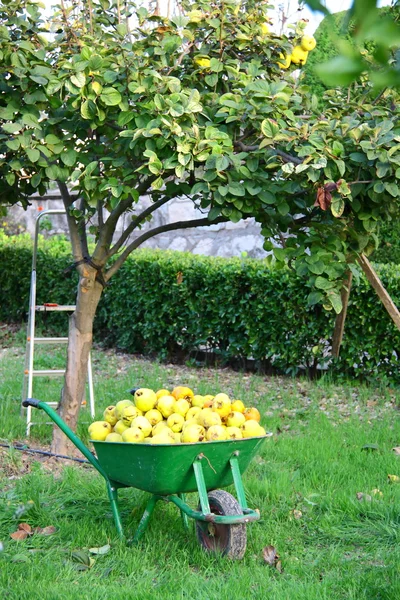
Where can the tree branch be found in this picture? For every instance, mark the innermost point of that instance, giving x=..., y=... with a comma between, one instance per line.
x=157, y=230
x=135, y=222
x=108, y=229
x=287, y=157
x=72, y=226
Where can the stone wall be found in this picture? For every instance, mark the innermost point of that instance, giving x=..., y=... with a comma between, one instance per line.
x=225, y=239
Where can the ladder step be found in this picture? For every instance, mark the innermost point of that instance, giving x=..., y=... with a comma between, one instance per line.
x=49, y=340
x=47, y=372
x=54, y=307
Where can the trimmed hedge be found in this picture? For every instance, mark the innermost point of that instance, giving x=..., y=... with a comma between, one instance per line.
x=169, y=303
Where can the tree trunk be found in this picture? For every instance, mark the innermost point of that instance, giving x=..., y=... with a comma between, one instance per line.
x=79, y=344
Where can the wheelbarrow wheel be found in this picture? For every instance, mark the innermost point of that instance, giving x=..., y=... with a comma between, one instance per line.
x=230, y=540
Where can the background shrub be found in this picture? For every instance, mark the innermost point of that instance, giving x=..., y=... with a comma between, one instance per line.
x=175, y=304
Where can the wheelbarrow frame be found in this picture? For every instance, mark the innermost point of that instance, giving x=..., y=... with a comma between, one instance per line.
x=204, y=516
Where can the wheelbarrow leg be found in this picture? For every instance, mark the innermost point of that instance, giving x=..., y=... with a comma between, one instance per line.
x=144, y=521
x=113, y=497
x=184, y=516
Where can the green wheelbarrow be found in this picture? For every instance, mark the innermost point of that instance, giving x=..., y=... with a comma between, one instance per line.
x=168, y=472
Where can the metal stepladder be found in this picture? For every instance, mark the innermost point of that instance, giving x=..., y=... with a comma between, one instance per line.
x=30, y=372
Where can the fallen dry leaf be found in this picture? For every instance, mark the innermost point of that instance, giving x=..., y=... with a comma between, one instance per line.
x=396, y=450
x=49, y=530
x=25, y=527
x=19, y=535
x=361, y=496
x=270, y=556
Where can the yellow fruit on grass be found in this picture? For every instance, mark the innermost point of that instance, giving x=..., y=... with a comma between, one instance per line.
x=166, y=405
x=145, y=399
x=222, y=405
x=143, y=424
x=153, y=416
x=235, y=419
x=129, y=413
x=120, y=427
x=99, y=430
x=198, y=401
x=182, y=392
x=161, y=393
x=114, y=437
x=238, y=406
x=175, y=422
x=193, y=412
x=308, y=43
x=110, y=416
x=233, y=433
x=216, y=432
x=119, y=407
x=299, y=56
x=181, y=406
x=133, y=435
x=252, y=428
x=192, y=433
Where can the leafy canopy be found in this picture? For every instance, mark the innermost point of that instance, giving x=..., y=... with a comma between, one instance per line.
x=199, y=106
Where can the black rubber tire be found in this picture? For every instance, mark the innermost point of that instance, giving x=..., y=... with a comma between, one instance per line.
x=229, y=540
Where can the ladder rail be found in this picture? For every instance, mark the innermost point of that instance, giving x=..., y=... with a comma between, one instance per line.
x=29, y=371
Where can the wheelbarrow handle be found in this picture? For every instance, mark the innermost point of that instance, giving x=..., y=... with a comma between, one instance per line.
x=31, y=402
x=68, y=432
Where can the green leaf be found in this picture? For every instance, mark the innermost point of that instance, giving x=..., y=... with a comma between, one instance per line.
x=53, y=172
x=30, y=120
x=33, y=154
x=269, y=128
x=13, y=144
x=314, y=298
x=69, y=157
x=283, y=208
x=341, y=70
x=336, y=301
x=110, y=96
x=211, y=80
x=216, y=65
x=95, y=62
x=393, y=189
x=52, y=139
x=280, y=254
x=324, y=284
x=221, y=163
x=88, y=110
x=236, y=188
x=39, y=79
x=267, y=197
x=11, y=127
x=78, y=80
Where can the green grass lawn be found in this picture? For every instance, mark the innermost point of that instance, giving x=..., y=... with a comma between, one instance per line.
x=331, y=544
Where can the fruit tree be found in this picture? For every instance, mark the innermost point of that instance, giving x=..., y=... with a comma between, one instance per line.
x=111, y=103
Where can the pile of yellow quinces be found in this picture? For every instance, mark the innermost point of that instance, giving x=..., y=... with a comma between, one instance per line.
x=177, y=417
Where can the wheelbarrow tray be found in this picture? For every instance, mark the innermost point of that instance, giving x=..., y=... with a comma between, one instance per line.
x=166, y=469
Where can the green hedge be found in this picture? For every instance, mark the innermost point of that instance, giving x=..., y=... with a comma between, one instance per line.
x=169, y=303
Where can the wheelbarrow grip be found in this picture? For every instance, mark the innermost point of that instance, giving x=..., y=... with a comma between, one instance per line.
x=31, y=402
